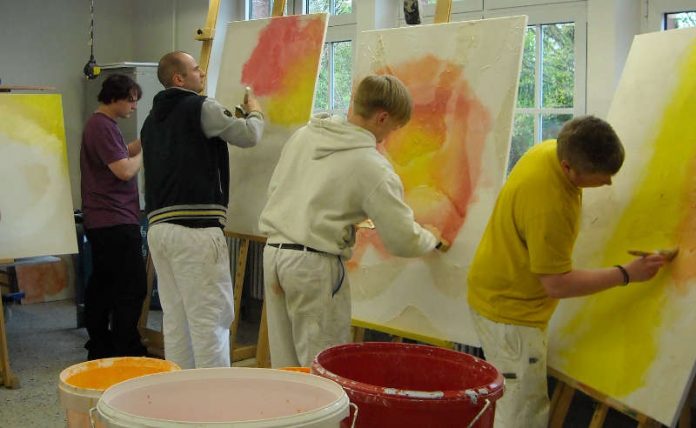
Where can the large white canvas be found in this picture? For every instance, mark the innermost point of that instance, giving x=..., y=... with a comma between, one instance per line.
x=279, y=59
x=451, y=158
x=636, y=344
x=36, y=212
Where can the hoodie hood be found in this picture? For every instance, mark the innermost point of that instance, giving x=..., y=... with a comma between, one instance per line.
x=335, y=137
x=165, y=101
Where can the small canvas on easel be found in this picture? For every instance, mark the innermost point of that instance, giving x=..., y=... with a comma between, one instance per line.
x=636, y=343
x=279, y=58
x=451, y=158
x=36, y=212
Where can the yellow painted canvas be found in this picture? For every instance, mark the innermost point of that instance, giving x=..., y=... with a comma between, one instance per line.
x=637, y=343
x=451, y=158
x=279, y=59
x=36, y=212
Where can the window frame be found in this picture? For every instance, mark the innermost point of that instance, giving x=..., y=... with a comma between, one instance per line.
x=657, y=9
x=570, y=11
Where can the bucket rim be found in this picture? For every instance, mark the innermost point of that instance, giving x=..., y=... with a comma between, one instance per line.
x=339, y=405
x=492, y=390
x=69, y=371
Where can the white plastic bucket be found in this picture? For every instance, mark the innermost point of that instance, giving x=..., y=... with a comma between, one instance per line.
x=82, y=384
x=215, y=397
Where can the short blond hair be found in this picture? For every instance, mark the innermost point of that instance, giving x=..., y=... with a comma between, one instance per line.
x=383, y=92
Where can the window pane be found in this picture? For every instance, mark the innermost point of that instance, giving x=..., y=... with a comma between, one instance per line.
x=260, y=9
x=343, y=7
x=321, y=95
x=263, y=8
x=315, y=6
x=551, y=124
x=525, y=96
x=343, y=60
x=680, y=20
x=522, y=137
x=558, y=64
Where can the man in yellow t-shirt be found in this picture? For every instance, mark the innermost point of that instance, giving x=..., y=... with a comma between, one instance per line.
x=523, y=263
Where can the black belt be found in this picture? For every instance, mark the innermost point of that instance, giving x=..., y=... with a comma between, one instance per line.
x=297, y=247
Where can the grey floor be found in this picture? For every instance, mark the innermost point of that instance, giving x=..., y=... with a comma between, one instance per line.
x=43, y=340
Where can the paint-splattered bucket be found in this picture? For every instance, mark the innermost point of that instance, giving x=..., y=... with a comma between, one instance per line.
x=82, y=384
x=406, y=385
x=214, y=397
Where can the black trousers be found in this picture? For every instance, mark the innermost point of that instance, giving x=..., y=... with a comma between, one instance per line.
x=115, y=292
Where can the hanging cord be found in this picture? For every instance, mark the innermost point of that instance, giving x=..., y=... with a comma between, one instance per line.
x=91, y=69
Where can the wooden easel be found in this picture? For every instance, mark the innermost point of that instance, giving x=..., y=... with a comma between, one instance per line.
x=9, y=379
x=565, y=390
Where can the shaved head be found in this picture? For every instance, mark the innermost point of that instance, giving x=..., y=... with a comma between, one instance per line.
x=171, y=63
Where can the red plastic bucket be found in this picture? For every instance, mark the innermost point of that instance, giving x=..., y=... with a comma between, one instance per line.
x=406, y=385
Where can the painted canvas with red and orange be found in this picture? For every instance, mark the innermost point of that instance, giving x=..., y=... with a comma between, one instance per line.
x=451, y=158
x=636, y=343
x=279, y=59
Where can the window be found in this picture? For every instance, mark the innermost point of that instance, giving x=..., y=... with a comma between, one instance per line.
x=334, y=85
x=263, y=8
x=546, y=96
x=679, y=20
x=334, y=7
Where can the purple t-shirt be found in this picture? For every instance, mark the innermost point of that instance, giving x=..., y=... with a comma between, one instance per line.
x=106, y=199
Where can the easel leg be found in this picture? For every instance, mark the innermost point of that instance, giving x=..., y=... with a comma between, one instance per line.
x=599, y=415
x=560, y=402
x=239, y=272
x=8, y=378
x=263, y=357
x=358, y=334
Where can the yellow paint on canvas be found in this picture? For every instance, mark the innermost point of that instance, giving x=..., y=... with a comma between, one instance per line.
x=616, y=333
x=293, y=105
x=35, y=121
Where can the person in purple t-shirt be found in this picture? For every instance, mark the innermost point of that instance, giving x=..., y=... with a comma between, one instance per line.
x=117, y=286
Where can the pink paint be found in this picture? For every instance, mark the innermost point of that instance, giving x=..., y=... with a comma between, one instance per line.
x=223, y=395
x=282, y=43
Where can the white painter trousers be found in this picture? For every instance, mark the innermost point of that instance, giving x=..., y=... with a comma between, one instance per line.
x=304, y=316
x=519, y=353
x=195, y=290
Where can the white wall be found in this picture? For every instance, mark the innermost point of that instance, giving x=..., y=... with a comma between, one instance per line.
x=611, y=26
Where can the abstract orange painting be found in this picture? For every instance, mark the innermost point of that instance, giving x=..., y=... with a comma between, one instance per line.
x=451, y=158
x=279, y=59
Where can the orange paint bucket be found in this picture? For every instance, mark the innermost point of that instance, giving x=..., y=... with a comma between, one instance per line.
x=82, y=384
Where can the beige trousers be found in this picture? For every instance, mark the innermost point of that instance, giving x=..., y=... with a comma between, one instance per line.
x=195, y=289
x=519, y=353
x=304, y=315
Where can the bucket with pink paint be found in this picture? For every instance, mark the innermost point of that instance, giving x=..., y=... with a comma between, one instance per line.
x=243, y=397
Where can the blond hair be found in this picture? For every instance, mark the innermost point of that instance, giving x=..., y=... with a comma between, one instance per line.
x=383, y=93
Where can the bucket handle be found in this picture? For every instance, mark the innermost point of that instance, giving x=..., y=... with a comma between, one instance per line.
x=480, y=413
x=92, y=422
x=355, y=414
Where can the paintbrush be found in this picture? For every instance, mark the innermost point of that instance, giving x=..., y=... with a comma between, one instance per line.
x=668, y=254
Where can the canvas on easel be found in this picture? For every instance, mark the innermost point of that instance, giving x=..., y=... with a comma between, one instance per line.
x=451, y=158
x=635, y=344
x=279, y=59
x=36, y=212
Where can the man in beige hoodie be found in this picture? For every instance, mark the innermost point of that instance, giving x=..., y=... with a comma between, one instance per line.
x=330, y=177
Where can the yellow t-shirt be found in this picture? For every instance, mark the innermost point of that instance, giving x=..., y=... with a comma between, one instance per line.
x=531, y=231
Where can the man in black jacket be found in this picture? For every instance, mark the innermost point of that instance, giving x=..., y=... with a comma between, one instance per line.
x=185, y=155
